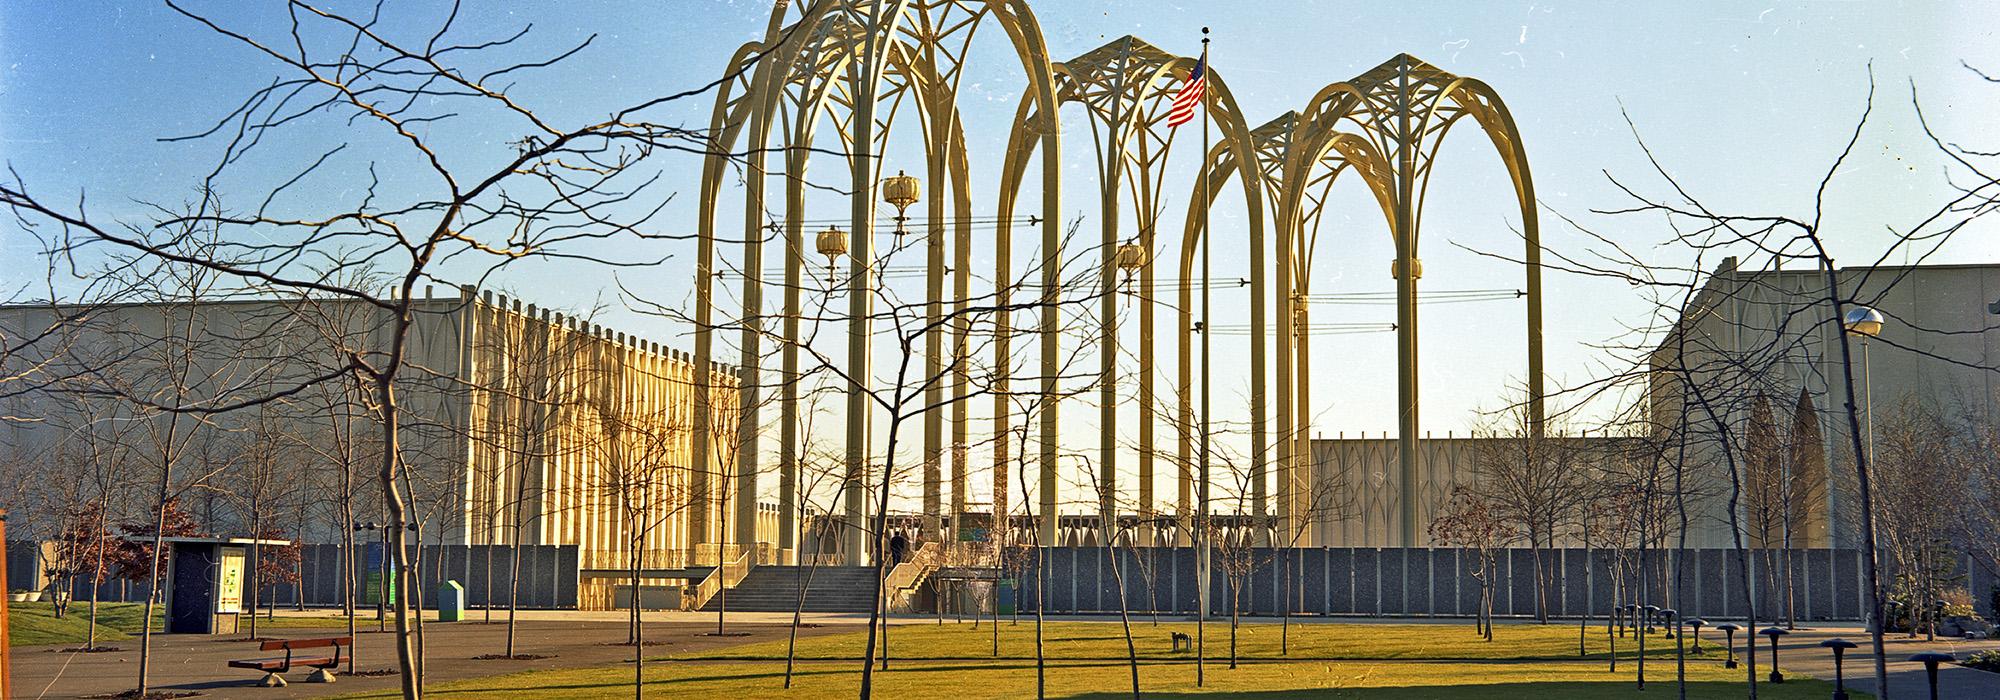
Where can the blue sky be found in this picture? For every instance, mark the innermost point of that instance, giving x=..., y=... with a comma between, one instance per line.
x=1747, y=103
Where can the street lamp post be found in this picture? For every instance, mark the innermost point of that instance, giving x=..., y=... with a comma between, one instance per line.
x=1867, y=323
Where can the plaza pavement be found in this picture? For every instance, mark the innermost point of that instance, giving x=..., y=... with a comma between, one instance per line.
x=572, y=639
x=569, y=639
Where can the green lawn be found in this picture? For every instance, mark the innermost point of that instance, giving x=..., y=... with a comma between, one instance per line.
x=32, y=624
x=1353, y=660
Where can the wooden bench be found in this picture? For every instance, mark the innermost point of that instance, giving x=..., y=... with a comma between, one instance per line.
x=274, y=667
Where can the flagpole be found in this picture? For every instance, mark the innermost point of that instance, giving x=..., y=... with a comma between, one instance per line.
x=1201, y=516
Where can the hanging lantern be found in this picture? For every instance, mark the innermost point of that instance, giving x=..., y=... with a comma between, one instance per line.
x=1129, y=257
x=900, y=191
x=831, y=243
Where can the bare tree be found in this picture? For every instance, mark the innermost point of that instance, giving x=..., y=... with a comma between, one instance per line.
x=361, y=75
x=1468, y=521
x=1527, y=479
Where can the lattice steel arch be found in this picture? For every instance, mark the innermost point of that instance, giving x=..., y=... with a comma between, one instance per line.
x=877, y=43
x=1389, y=122
x=1123, y=87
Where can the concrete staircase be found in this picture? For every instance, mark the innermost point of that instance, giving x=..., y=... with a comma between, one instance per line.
x=776, y=589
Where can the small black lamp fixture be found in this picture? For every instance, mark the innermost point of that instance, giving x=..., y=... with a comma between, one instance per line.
x=1618, y=614
x=1652, y=612
x=1890, y=612
x=1729, y=643
x=1930, y=660
x=1774, y=633
x=1696, y=623
x=1839, y=647
x=1668, y=616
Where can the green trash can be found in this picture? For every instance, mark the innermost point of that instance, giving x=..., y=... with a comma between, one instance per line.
x=451, y=602
x=1006, y=597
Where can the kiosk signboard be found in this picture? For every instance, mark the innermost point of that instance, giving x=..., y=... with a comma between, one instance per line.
x=229, y=594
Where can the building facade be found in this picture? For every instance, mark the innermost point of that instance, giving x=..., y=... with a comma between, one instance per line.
x=518, y=424
x=1751, y=337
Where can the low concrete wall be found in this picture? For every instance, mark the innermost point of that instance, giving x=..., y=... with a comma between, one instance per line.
x=1827, y=584
x=549, y=575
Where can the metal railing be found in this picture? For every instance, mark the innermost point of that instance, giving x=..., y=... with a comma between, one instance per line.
x=725, y=576
x=907, y=576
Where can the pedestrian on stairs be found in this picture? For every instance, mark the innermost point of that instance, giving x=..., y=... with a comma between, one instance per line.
x=899, y=548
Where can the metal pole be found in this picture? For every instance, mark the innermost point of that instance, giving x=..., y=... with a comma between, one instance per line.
x=6, y=644
x=1201, y=516
x=1868, y=399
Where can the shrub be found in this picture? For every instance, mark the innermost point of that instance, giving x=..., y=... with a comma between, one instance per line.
x=1988, y=660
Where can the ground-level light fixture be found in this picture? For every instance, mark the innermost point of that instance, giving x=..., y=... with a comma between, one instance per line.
x=1839, y=647
x=1930, y=660
x=1729, y=643
x=1774, y=633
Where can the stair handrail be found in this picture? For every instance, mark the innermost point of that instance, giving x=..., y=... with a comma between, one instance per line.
x=910, y=574
x=725, y=576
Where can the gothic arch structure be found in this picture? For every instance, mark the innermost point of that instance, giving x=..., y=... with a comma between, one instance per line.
x=846, y=69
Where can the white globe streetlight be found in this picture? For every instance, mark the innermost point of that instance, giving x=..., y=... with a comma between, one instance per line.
x=1867, y=323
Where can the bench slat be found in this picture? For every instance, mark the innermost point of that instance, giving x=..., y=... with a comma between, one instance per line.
x=283, y=644
x=279, y=663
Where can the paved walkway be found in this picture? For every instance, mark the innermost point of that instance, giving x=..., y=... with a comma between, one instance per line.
x=200, y=662
x=1801, y=652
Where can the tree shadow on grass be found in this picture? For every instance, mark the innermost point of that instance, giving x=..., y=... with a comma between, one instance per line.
x=1548, y=690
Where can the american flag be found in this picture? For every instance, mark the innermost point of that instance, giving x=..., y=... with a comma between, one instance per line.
x=1190, y=98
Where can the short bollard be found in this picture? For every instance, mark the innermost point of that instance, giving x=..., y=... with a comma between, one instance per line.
x=1618, y=615
x=1839, y=647
x=1931, y=659
x=1652, y=611
x=1668, y=617
x=1774, y=633
x=1729, y=643
x=1696, y=623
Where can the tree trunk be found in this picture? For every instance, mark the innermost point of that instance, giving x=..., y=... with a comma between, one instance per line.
x=1125, y=620
x=96, y=577
x=638, y=624
x=153, y=566
x=397, y=537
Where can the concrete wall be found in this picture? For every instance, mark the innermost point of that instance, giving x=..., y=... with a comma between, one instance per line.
x=1371, y=581
x=549, y=575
